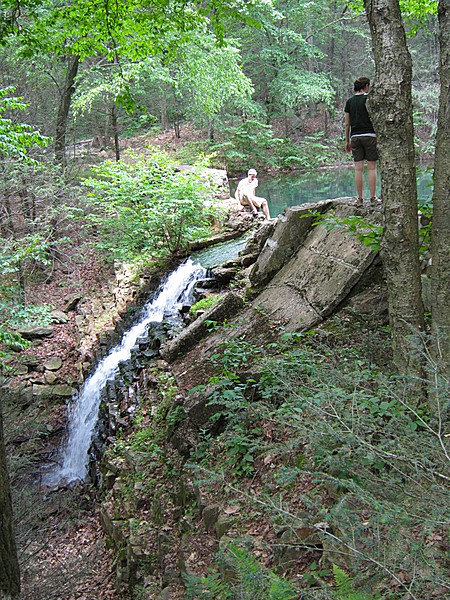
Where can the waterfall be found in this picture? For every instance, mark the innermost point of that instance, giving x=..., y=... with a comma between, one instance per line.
x=83, y=413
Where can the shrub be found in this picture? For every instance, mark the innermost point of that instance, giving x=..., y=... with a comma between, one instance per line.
x=148, y=206
x=204, y=304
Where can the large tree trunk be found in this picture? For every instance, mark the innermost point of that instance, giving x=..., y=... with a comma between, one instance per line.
x=390, y=108
x=440, y=238
x=63, y=110
x=9, y=566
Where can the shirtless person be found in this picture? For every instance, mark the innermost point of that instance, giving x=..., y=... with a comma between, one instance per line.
x=245, y=194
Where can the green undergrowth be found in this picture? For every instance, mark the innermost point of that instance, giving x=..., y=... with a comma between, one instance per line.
x=323, y=436
x=331, y=478
x=204, y=304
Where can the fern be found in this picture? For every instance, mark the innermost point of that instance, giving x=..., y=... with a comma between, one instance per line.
x=343, y=582
x=210, y=587
x=250, y=580
x=345, y=587
x=280, y=589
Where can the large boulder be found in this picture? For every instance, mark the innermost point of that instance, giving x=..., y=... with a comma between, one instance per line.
x=227, y=307
x=319, y=276
x=290, y=231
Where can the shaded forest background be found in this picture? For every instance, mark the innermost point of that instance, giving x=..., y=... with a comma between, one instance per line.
x=271, y=95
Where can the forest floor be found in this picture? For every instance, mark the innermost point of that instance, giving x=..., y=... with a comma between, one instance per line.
x=62, y=550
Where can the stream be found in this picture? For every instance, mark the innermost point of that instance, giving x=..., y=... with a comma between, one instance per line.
x=83, y=411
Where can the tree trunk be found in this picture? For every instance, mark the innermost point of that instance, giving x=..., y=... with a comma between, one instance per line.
x=165, y=122
x=390, y=108
x=9, y=566
x=211, y=131
x=115, y=131
x=440, y=237
x=63, y=110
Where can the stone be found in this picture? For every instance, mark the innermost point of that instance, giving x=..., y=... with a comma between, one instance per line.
x=210, y=515
x=249, y=259
x=57, y=391
x=72, y=301
x=227, y=306
x=291, y=547
x=317, y=278
x=50, y=377
x=227, y=568
x=256, y=243
x=53, y=363
x=32, y=333
x=20, y=369
x=58, y=316
x=31, y=361
x=224, y=276
x=288, y=235
x=80, y=321
x=166, y=594
x=223, y=525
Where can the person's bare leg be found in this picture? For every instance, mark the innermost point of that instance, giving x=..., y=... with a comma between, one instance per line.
x=359, y=167
x=372, y=173
x=265, y=209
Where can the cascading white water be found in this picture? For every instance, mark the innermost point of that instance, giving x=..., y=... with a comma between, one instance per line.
x=83, y=414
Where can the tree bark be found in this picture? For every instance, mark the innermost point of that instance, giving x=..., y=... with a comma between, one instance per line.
x=115, y=131
x=440, y=237
x=9, y=565
x=390, y=108
x=63, y=110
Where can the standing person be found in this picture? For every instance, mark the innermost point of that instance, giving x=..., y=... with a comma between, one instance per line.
x=246, y=196
x=361, y=139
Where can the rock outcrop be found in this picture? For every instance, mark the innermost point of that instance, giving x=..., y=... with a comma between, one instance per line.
x=302, y=274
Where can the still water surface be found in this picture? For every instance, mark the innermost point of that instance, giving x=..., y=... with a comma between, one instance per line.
x=293, y=190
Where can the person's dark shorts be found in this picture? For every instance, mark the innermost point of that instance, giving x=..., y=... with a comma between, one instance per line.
x=364, y=147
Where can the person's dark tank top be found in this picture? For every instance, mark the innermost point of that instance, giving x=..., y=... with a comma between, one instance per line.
x=360, y=122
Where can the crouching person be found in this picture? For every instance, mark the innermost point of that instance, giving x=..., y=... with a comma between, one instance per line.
x=246, y=196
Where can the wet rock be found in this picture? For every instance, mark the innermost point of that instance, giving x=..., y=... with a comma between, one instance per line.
x=228, y=306
x=256, y=243
x=249, y=259
x=224, y=275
